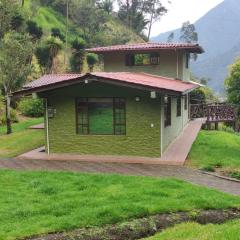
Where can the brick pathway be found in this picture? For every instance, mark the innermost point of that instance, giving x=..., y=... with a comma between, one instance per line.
x=180, y=172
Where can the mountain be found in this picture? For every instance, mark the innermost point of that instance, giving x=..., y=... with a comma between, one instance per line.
x=218, y=34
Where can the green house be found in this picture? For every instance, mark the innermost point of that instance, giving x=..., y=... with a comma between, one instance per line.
x=136, y=107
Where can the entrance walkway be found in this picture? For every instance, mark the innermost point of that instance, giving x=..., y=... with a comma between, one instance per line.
x=193, y=176
x=179, y=149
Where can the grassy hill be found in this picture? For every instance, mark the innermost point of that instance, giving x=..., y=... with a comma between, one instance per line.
x=48, y=18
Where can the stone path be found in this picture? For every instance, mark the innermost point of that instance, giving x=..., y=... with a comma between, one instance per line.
x=193, y=176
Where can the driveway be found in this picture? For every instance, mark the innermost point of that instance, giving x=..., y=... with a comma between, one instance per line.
x=191, y=175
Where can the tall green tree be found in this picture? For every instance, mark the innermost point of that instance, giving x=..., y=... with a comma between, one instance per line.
x=16, y=51
x=232, y=83
x=9, y=11
x=78, y=55
x=189, y=35
x=106, y=5
x=140, y=15
x=92, y=59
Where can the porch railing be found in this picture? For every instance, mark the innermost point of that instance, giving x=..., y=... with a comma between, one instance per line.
x=214, y=113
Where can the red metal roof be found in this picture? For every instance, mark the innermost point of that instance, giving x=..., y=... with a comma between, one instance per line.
x=191, y=47
x=131, y=78
x=52, y=79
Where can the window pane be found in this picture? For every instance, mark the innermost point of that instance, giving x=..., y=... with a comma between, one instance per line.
x=101, y=116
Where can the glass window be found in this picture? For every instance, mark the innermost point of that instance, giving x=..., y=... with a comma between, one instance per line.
x=179, y=107
x=101, y=116
x=167, y=111
x=187, y=60
x=185, y=102
x=142, y=59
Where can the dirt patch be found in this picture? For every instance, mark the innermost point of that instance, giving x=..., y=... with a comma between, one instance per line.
x=144, y=227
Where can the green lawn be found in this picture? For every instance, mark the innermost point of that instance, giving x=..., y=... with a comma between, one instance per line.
x=40, y=202
x=216, y=148
x=22, y=139
x=18, y=127
x=194, y=231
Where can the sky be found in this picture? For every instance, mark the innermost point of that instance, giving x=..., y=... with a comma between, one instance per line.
x=181, y=11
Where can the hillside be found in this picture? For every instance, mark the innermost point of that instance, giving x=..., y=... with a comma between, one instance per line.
x=220, y=38
x=48, y=17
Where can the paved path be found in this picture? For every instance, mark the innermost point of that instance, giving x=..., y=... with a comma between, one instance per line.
x=184, y=173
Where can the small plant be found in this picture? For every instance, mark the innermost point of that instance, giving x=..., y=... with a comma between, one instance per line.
x=31, y=107
x=218, y=165
x=208, y=168
x=235, y=175
x=92, y=59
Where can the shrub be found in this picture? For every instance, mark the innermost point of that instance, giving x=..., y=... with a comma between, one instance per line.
x=31, y=107
x=13, y=114
x=208, y=169
x=235, y=175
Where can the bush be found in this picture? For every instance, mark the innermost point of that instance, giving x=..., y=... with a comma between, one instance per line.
x=13, y=114
x=208, y=169
x=31, y=107
x=235, y=175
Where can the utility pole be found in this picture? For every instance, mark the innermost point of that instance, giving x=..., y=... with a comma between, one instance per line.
x=66, y=42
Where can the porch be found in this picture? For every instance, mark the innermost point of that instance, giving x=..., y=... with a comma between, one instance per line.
x=174, y=155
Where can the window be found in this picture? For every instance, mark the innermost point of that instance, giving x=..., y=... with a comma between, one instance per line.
x=187, y=60
x=101, y=116
x=179, y=107
x=185, y=102
x=142, y=59
x=167, y=111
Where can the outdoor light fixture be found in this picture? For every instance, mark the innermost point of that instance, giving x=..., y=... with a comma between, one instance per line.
x=137, y=99
x=153, y=95
x=166, y=99
x=86, y=81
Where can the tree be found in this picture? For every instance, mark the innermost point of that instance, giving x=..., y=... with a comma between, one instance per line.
x=56, y=32
x=106, y=5
x=91, y=19
x=170, y=37
x=34, y=30
x=141, y=14
x=189, y=35
x=92, y=59
x=15, y=53
x=77, y=58
x=8, y=11
x=232, y=83
x=54, y=46
x=154, y=10
x=46, y=53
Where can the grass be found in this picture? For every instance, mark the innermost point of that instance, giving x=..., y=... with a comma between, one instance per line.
x=194, y=231
x=22, y=139
x=216, y=149
x=18, y=127
x=40, y=202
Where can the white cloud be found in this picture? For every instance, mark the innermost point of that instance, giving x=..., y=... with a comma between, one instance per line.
x=181, y=11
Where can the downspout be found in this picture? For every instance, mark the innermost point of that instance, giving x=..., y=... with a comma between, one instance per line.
x=47, y=126
x=161, y=128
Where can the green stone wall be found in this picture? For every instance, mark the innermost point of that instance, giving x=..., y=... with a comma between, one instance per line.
x=141, y=139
